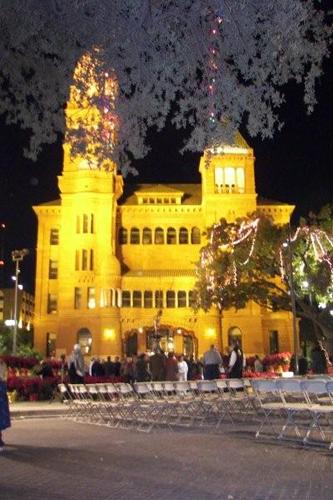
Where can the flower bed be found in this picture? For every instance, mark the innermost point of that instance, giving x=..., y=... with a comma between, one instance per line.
x=38, y=388
x=277, y=362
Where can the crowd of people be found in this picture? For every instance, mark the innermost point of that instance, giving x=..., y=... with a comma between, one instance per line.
x=158, y=366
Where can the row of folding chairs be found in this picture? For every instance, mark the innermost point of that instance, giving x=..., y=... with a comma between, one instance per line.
x=148, y=404
x=297, y=409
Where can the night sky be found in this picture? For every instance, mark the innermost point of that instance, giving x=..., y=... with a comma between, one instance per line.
x=295, y=167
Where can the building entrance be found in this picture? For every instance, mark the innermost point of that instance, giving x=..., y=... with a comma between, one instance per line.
x=171, y=339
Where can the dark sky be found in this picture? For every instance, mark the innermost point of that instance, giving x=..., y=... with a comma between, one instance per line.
x=295, y=167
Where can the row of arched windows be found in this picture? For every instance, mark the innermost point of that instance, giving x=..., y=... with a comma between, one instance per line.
x=159, y=236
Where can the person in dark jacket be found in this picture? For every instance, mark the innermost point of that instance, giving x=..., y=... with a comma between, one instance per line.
x=157, y=366
x=117, y=366
x=319, y=358
x=171, y=367
x=97, y=368
x=236, y=362
x=109, y=367
x=45, y=370
x=142, y=373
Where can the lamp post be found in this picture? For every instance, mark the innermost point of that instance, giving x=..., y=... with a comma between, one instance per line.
x=292, y=297
x=17, y=257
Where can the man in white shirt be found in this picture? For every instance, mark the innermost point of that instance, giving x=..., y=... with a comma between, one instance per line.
x=212, y=361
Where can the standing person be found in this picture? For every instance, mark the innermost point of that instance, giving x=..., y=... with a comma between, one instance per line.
x=319, y=358
x=236, y=362
x=142, y=373
x=45, y=369
x=97, y=369
x=258, y=366
x=76, y=367
x=157, y=364
x=182, y=369
x=128, y=370
x=63, y=367
x=4, y=407
x=171, y=367
x=108, y=367
x=117, y=366
x=192, y=368
x=212, y=360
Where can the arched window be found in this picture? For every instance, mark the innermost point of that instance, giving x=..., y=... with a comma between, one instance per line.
x=137, y=298
x=85, y=221
x=159, y=299
x=170, y=298
x=122, y=236
x=135, y=236
x=148, y=299
x=132, y=344
x=146, y=236
x=181, y=296
x=84, y=338
x=183, y=236
x=126, y=298
x=192, y=298
x=195, y=236
x=171, y=236
x=235, y=335
x=159, y=236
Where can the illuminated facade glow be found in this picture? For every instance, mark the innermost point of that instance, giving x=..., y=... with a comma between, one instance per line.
x=110, y=256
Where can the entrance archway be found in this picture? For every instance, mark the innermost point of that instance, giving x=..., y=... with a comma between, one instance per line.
x=235, y=335
x=172, y=339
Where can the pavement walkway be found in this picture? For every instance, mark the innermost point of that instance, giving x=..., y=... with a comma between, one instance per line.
x=54, y=458
x=28, y=409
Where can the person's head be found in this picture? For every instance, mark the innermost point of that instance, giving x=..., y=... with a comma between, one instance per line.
x=170, y=354
x=181, y=357
x=77, y=348
x=108, y=359
x=235, y=345
x=212, y=346
x=117, y=359
x=63, y=357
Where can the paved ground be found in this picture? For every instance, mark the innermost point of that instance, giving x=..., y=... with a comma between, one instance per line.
x=52, y=458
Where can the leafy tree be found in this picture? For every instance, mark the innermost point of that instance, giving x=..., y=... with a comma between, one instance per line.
x=254, y=259
x=24, y=340
x=216, y=59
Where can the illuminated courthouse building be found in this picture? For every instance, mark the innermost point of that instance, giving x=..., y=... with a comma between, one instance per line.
x=110, y=256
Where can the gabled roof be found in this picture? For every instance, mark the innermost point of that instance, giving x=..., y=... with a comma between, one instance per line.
x=191, y=193
x=158, y=189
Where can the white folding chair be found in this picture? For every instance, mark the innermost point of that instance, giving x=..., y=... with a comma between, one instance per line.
x=67, y=399
x=270, y=405
x=296, y=407
x=320, y=410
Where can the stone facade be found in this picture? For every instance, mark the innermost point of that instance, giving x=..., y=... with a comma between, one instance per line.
x=116, y=261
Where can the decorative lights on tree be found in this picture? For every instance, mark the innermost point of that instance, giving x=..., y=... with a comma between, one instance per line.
x=92, y=122
x=159, y=50
x=233, y=244
x=312, y=253
x=251, y=260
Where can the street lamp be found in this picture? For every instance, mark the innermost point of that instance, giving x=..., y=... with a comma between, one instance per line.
x=17, y=257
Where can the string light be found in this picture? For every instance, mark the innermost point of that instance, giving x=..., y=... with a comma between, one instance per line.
x=212, y=66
